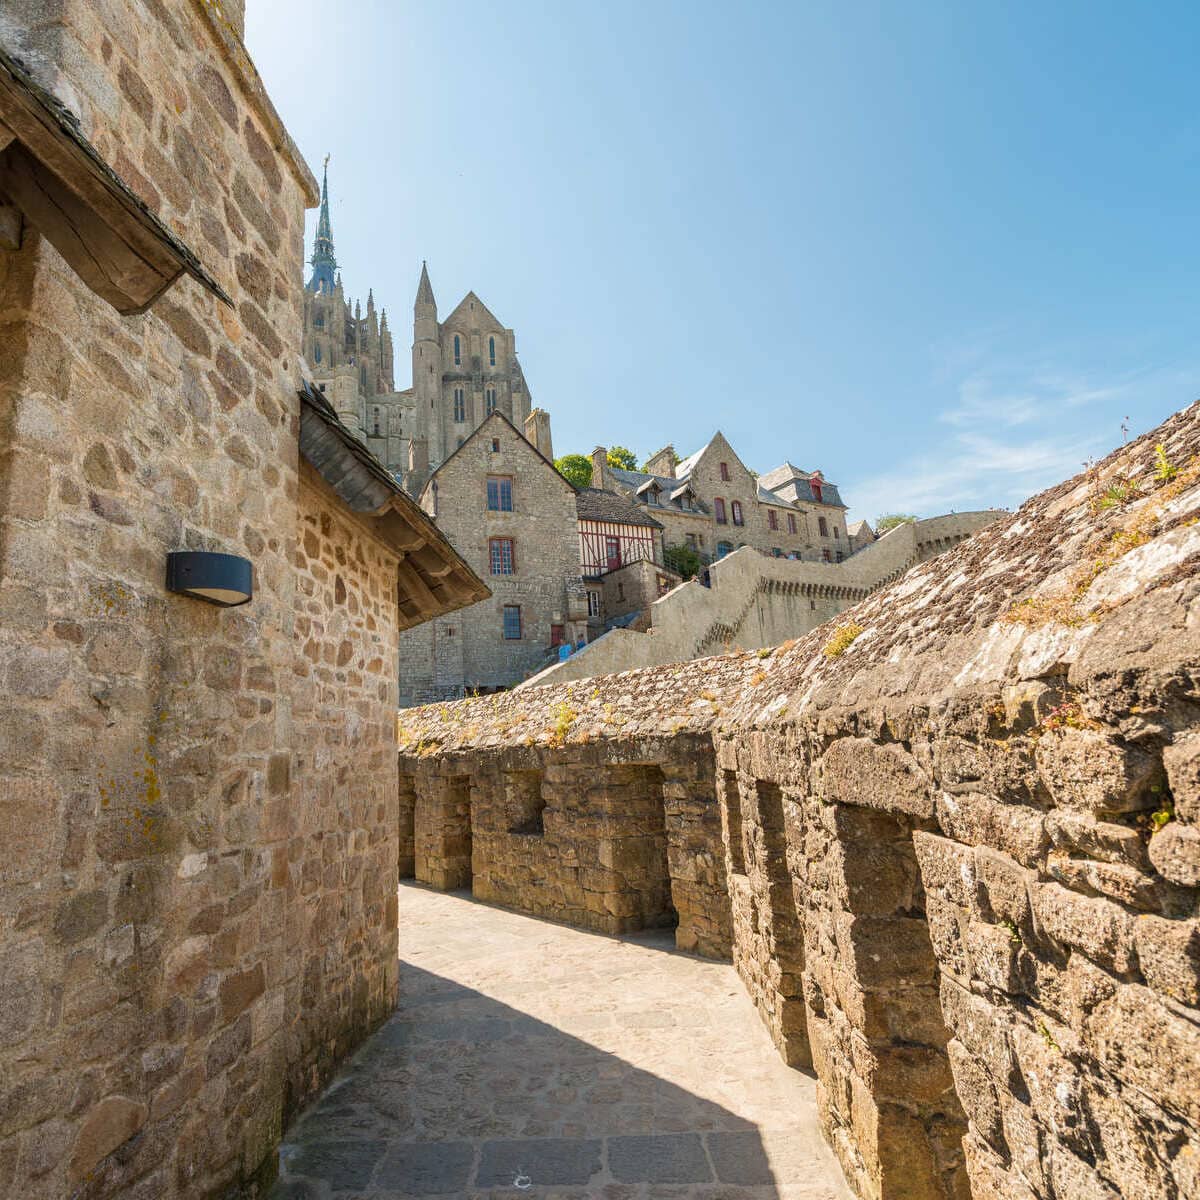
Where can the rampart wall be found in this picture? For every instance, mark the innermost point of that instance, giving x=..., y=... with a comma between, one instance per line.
x=960, y=840
x=756, y=600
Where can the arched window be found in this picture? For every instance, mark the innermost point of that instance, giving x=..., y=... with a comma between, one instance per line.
x=319, y=321
x=457, y=351
x=460, y=405
x=492, y=351
x=317, y=352
x=491, y=400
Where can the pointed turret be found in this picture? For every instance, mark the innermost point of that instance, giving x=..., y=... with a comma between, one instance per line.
x=324, y=264
x=425, y=291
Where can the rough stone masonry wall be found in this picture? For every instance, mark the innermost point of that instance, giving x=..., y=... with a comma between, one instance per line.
x=343, y=824
x=613, y=845
x=980, y=796
x=163, y=874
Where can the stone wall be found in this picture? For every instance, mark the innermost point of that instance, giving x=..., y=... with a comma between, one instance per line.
x=199, y=804
x=961, y=841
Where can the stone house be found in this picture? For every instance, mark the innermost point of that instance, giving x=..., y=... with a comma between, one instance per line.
x=713, y=504
x=199, y=803
x=512, y=516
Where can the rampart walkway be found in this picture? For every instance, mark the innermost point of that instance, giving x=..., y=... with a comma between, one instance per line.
x=527, y=1053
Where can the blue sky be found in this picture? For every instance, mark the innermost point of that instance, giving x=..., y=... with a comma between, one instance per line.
x=939, y=251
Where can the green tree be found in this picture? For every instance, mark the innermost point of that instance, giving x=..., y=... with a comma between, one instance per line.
x=575, y=468
x=891, y=520
x=623, y=458
x=683, y=560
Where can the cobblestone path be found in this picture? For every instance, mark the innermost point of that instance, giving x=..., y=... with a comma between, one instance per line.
x=531, y=1060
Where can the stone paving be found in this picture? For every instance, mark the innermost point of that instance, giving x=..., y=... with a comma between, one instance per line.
x=527, y=1059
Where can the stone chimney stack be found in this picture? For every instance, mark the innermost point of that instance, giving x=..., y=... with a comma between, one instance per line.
x=599, y=463
x=663, y=463
x=537, y=432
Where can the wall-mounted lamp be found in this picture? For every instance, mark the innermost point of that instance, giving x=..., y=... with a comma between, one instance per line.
x=223, y=579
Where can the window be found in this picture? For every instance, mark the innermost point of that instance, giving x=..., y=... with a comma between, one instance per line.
x=835, y=532
x=499, y=493
x=512, y=622
x=719, y=511
x=724, y=472
x=362, y=376
x=825, y=554
x=317, y=352
x=457, y=351
x=840, y=556
x=823, y=526
x=500, y=552
x=495, y=445
x=319, y=321
x=791, y=522
x=652, y=496
x=460, y=405
x=737, y=513
x=375, y=420
x=777, y=553
x=723, y=548
x=612, y=552
x=593, y=604
x=491, y=400
x=620, y=591
x=772, y=519
x=815, y=484
x=691, y=541
x=491, y=351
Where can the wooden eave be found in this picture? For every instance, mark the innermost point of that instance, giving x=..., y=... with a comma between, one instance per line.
x=55, y=177
x=432, y=579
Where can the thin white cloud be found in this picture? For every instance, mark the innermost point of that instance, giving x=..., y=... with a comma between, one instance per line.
x=1010, y=433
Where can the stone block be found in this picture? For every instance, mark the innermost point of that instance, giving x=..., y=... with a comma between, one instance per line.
x=1182, y=762
x=1175, y=853
x=1099, y=928
x=110, y=1123
x=857, y=771
x=1169, y=956
x=1086, y=769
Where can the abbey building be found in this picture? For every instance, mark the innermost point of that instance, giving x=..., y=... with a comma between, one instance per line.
x=463, y=368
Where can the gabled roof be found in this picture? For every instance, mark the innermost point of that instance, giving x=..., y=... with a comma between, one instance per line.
x=431, y=578
x=484, y=311
x=636, y=481
x=599, y=504
x=489, y=420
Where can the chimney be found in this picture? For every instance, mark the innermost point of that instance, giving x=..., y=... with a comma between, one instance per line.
x=663, y=463
x=599, y=463
x=537, y=432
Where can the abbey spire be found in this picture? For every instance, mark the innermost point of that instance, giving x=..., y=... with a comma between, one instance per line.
x=324, y=264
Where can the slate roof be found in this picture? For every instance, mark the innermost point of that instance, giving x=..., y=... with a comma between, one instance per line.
x=599, y=504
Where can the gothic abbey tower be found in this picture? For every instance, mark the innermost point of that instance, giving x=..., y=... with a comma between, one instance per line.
x=463, y=368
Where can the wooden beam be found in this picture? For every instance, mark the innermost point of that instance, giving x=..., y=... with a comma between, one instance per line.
x=416, y=589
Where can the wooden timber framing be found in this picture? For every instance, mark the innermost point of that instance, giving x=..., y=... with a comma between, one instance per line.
x=62, y=187
x=431, y=578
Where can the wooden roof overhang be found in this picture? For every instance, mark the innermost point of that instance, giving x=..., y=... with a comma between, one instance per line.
x=431, y=578
x=55, y=178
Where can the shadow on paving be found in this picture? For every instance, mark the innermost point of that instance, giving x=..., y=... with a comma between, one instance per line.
x=460, y=1095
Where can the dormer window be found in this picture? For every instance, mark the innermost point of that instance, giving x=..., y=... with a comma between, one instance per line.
x=815, y=484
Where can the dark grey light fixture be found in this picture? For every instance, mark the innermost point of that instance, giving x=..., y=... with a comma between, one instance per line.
x=223, y=579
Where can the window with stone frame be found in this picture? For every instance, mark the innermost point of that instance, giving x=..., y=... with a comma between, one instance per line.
x=502, y=556
x=724, y=472
x=375, y=421
x=593, y=603
x=512, y=623
x=491, y=400
x=491, y=351
x=823, y=526
x=815, y=484
x=499, y=493
x=460, y=405
x=826, y=555
x=737, y=512
x=719, y=510
x=457, y=351
x=791, y=522
x=772, y=519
